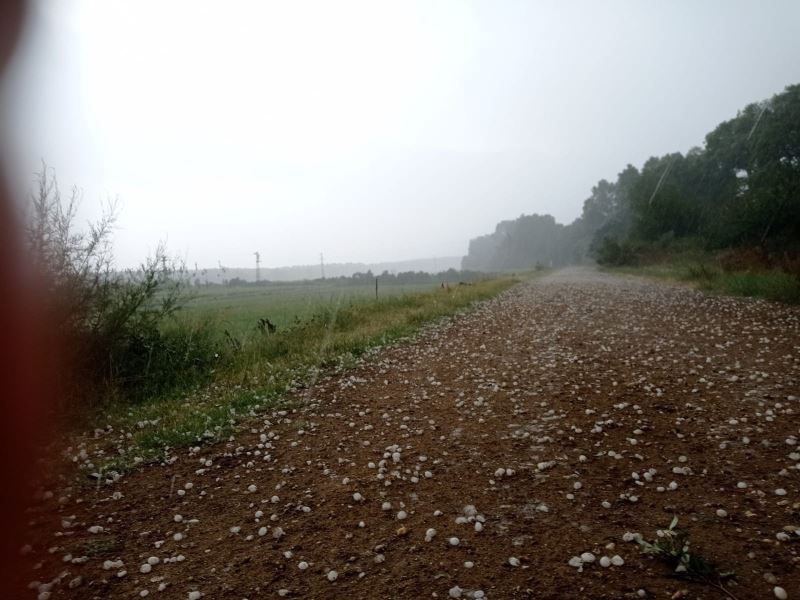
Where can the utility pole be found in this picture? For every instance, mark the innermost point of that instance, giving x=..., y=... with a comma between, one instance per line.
x=322, y=265
x=258, y=266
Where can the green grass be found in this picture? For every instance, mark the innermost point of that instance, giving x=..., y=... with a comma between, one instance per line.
x=336, y=330
x=238, y=308
x=772, y=284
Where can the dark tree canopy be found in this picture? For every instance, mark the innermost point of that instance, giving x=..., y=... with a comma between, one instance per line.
x=741, y=189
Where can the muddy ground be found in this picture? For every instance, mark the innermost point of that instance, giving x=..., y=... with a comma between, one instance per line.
x=541, y=425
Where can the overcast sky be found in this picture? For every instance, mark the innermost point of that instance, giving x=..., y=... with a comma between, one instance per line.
x=371, y=130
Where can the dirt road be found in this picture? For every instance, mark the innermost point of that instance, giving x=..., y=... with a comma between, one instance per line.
x=544, y=424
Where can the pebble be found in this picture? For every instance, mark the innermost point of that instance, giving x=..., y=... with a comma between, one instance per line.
x=780, y=593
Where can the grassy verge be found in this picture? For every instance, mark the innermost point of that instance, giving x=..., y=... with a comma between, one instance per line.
x=256, y=376
x=770, y=284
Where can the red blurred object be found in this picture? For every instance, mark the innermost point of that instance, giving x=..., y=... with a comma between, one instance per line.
x=24, y=387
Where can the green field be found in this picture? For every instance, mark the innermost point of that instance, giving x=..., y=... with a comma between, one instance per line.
x=238, y=308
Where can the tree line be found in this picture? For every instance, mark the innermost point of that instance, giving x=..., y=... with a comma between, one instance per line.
x=740, y=189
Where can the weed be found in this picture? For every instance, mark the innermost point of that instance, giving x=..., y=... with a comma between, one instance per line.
x=672, y=546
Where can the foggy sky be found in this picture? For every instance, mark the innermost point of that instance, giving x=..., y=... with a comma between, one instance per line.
x=370, y=131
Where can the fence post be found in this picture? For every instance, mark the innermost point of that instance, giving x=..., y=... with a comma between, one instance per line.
x=376, y=288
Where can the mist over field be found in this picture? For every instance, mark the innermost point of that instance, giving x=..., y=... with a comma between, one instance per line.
x=367, y=131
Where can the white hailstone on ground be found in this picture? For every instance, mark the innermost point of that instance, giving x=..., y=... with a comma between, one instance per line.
x=430, y=534
x=386, y=506
x=577, y=485
x=513, y=561
x=274, y=499
x=454, y=541
x=361, y=524
x=570, y=496
x=177, y=537
x=288, y=554
x=478, y=526
x=332, y=575
x=251, y=488
x=437, y=513
x=605, y=504
x=461, y=520
x=144, y=593
x=605, y=561
x=146, y=568
x=262, y=531
x=587, y=557
x=302, y=565
x=402, y=515
x=153, y=560
x=95, y=529
x=741, y=485
x=780, y=593
x=575, y=561
x=455, y=592
x=235, y=529
x=358, y=497
x=780, y=492
x=500, y=472
x=195, y=595
x=177, y=518
x=468, y=564
x=673, y=485
x=277, y=533
x=722, y=513
x=617, y=560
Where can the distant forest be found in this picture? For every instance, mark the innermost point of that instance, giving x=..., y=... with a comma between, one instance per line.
x=741, y=189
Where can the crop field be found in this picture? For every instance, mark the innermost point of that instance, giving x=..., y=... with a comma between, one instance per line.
x=238, y=308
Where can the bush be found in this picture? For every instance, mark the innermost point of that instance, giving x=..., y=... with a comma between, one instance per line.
x=116, y=329
x=612, y=252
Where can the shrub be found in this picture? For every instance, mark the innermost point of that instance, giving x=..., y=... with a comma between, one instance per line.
x=612, y=252
x=116, y=329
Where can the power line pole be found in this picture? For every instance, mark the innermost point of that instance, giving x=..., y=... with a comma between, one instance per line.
x=258, y=266
x=322, y=265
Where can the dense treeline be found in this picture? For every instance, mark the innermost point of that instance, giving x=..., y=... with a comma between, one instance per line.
x=740, y=190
